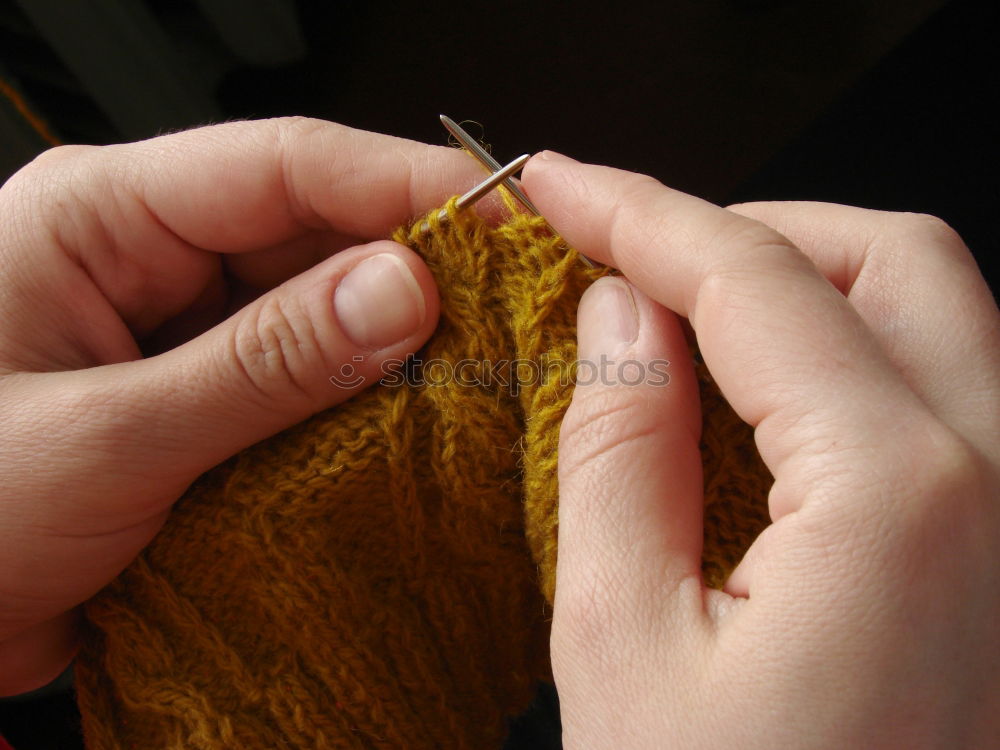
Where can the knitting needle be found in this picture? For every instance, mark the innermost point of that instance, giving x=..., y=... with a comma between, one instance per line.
x=484, y=158
x=490, y=183
x=501, y=176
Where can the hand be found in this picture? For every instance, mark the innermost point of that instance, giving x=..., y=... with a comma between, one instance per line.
x=109, y=253
x=864, y=347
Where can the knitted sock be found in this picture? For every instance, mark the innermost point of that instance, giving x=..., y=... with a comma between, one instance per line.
x=377, y=576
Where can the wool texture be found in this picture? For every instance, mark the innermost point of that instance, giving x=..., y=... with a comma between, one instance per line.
x=380, y=576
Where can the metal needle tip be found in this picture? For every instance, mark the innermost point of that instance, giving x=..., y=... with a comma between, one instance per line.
x=484, y=158
x=492, y=181
x=484, y=187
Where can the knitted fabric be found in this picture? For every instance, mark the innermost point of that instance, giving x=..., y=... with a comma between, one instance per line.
x=377, y=576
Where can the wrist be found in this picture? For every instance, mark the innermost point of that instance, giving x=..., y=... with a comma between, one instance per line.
x=33, y=658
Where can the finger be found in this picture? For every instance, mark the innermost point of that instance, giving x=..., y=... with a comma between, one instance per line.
x=273, y=265
x=249, y=185
x=245, y=277
x=141, y=221
x=789, y=352
x=630, y=492
x=312, y=343
x=917, y=286
x=307, y=345
x=34, y=658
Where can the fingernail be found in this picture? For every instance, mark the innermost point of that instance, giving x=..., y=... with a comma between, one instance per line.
x=379, y=302
x=555, y=156
x=608, y=321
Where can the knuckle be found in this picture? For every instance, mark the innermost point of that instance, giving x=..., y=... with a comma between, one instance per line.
x=947, y=466
x=750, y=251
x=637, y=188
x=60, y=155
x=47, y=171
x=926, y=231
x=599, y=423
x=299, y=124
x=273, y=347
x=289, y=133
x=626, y=221
x=744, y=238
x=926, y=225
x=765, y=261
x=946, y=514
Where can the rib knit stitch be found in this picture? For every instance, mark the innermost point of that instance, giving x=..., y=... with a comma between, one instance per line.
x=380, y=575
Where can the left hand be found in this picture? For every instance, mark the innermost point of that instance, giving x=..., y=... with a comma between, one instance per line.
x=110, y=253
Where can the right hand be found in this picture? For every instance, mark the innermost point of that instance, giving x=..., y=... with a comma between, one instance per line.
x=864, y=348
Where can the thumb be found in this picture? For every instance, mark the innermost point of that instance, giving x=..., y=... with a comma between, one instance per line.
x=306, y=345
x=630, y=492
x=93, y=458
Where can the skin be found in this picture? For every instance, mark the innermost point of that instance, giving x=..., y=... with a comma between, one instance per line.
x=862, y=346
x=222, y=249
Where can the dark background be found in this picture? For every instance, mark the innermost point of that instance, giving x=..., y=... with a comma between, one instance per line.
x=880, y=103
x=884, y=104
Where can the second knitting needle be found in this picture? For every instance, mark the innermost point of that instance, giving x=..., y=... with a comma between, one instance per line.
x=484, y=158
x=490, y=183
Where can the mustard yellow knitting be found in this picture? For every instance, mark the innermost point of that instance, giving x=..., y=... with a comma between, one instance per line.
x=377, y=576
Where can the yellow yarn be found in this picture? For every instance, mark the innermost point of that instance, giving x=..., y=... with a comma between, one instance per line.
x=373, y=577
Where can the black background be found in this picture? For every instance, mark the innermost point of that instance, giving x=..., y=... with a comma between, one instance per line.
x=842, y=102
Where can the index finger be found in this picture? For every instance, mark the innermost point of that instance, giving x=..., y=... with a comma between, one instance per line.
x=789, y=352
x=139, y=224
x=248, y=185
